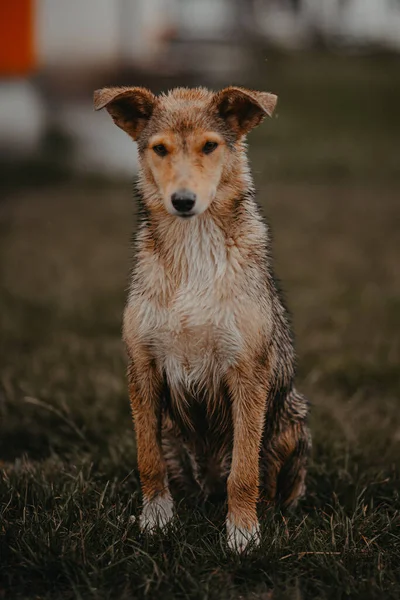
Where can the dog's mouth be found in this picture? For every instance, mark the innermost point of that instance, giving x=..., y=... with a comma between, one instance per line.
x=186, y=215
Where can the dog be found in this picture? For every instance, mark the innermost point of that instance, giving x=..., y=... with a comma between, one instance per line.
x=211, y=358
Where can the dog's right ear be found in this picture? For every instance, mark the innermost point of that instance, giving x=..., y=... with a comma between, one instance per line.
x=130, y=108
x=244, y=109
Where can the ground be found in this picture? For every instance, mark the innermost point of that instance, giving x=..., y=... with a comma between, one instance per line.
x=69, y=491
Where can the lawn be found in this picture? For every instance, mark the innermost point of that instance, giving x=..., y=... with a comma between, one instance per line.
x=69, y=490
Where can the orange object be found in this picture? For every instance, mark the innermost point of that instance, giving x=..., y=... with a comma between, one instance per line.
x=17, y=53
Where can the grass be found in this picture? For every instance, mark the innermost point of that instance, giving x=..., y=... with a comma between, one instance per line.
x=68, y=481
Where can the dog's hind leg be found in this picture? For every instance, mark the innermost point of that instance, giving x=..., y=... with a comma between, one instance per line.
x=178, y=460
x=284, y=460
x=291, y=478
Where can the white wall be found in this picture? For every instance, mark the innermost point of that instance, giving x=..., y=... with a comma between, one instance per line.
x=143, y=25
x=101, y=32
x=22, y=117
x=356, y=22
x=375, y=21
x=70, y=32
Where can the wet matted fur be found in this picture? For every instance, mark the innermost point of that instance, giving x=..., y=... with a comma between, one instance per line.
x=211, y=359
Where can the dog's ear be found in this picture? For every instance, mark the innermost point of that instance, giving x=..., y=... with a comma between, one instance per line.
x=244, y=109
x=130, y=108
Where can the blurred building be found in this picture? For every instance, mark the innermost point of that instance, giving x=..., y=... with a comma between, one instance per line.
x=342, y=23
x=53, y=54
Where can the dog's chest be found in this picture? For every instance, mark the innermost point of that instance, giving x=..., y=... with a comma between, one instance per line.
x=194, y=325
x=197, y=337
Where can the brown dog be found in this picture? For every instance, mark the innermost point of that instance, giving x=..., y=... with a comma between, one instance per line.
x=211, y=360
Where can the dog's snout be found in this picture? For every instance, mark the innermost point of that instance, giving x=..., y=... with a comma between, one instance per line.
x=183, y=200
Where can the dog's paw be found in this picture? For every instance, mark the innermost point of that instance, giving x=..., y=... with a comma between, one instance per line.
x=241, y=539
x=156, y=513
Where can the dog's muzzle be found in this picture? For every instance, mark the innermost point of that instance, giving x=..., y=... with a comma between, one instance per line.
x=183, y=201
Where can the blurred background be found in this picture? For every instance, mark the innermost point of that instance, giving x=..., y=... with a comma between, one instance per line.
x=327, y=169
x=316, y=54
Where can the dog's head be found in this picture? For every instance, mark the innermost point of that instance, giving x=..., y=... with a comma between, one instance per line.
x=188, y=139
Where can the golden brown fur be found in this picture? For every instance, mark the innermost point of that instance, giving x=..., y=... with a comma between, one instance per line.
x=211, y=360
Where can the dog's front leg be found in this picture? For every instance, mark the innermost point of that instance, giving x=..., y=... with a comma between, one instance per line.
x=145, y=388
x=249, y=395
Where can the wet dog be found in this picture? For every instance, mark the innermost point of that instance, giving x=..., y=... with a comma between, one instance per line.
x=211, y=359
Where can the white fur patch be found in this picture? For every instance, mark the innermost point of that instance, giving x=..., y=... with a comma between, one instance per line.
x=156, y=513
x=196, y=323
x=239, y=538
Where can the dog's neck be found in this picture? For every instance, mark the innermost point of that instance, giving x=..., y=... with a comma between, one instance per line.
x=223, y=242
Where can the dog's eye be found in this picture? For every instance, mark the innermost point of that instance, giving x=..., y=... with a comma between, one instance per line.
x=160, y=149
x=209, y=147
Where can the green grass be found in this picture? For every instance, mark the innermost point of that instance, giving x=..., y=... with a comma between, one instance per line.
x=68, y=478
x=337, y=118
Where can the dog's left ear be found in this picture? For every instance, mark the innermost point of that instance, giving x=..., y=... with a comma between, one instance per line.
x=130, y=108
x=244, y=109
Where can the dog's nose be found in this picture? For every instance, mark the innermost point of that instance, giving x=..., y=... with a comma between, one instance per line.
x=183, y=200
